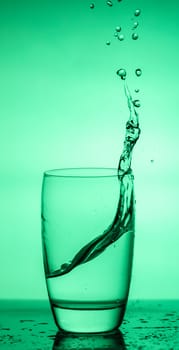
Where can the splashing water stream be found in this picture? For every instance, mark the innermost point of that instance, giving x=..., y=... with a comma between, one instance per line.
x=123, y=219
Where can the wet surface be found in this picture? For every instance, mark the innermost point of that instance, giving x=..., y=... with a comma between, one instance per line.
x=147, y=325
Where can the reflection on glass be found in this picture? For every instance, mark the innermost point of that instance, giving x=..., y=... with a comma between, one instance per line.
x=112, y=341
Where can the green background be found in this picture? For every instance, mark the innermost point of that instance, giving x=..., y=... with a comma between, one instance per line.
x=62, y=104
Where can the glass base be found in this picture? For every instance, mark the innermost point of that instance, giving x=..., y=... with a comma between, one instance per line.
x=88, y=320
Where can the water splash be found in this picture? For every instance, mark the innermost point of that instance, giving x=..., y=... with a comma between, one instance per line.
x=122, y=73
x=136, y=103
x=138, y=72
x=124, y=217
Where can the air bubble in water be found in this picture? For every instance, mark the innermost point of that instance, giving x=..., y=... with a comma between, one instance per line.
x=108, y=43
x=137, y=90
x=136, y=103
x=121, y=37
x=122, y=73
x=118, y=29
x=135, y=36
x=137, y=12
x=92, y=6
x=109, y=3
x=138, y=72
x=135, y=25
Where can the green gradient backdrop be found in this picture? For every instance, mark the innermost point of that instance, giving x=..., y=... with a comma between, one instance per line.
x=62, y=104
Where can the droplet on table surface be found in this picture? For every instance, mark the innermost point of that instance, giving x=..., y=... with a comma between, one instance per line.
x=109, y=3
x=135, y=36
x=121, y=37
x=137, y=12
x=92, y=6
x=118, y=29
x=135, y=24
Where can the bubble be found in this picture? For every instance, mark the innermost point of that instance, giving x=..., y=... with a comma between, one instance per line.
x=136, y=103
x=121, y=37
x=109, y=3
x=108, y=43
x=118, y=29
x=135, y=25
x=92, y=6
x=122, y=73
x=116, y=34
x=135, y=36
x=137, y=90
x=138, y=72
x=137, y=12
x=152, y=160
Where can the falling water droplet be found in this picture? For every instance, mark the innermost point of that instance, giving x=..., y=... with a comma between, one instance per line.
x=137, y=90
x=138, y=72
x=118, y=29
x=135, y=25
x=137, y=12
x=135, y=36
x=121, y=37
x=92, y=6
x=122, y=73
x=136, y=103
x=108, y=43
x=109, y=3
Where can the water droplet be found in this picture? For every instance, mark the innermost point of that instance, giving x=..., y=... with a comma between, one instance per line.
x=137, y=12
x=108, y=43
x=122, y=73
x=109, y=3
x=138, y=72
x=92, y=6
x=135, y=25
x=135, y=36
x=121, y=37
x=118, y=29
x=137, y=90
x=136, y=103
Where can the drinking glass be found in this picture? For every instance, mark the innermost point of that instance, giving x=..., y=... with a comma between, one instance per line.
x=87, y=253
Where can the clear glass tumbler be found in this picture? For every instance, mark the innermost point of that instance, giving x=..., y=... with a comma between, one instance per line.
x=87, y=254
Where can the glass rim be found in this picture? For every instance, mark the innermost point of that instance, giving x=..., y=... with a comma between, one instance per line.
x=82, y=172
